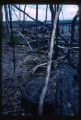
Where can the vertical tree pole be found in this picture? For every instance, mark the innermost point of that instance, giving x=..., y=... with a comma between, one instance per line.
x=36, y=25
x=19, y=16
x=1, y=19
x=42, y=96
x=57, y=34
x=53, y=12
x=12, y=38
x=6, y=17
x=24, y=18
x=45, y=22
x=19, y=13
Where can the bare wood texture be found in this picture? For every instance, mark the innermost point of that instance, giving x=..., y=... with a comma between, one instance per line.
x=42, y=96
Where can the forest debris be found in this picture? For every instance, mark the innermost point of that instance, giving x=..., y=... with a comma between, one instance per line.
x=43, y=64
x=26, y=40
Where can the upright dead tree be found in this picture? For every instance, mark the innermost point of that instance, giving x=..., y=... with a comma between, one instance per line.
x=24, y=19
x=19, y=13
x=56, y=40
x=45, y=23
x=36, y=25
x=1, y=20
x=46, y=14
x=42, y=96
x=73, y=26
x=72, y=36
x=12, y=38
x=6, y=17
x=19, y=16
x=53, y=12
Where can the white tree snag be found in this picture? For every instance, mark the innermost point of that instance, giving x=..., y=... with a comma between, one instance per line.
x=42, y=96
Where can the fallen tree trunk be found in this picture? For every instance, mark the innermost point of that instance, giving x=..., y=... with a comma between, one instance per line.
x=42, y=96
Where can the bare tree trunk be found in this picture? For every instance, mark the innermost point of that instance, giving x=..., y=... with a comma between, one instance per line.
x=12, y=38
x=20, y=17
x=24, y=18
x=53, y=12
x=1, y=20
x=56, y=41
x=38, y=21
x=36, y=25
x=72, y=35
x=46, y=15
x=42, y=96
x=6, y=17
x=17, y=18
x=43, y=34
x=19, y=13
x=73, y=26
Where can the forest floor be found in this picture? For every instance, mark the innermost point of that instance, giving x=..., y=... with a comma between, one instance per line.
x=62, y=87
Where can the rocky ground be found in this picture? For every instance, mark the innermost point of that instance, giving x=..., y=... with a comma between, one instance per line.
x=21, y=90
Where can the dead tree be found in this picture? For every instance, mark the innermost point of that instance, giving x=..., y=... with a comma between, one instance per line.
x=54, y=9
x=43, y=33
x=38, y=21
x=17, y=18
x=42, y=96
x=72, y=38
x=19, y=14
x=56, y=40
x=37, y=25
x=53, y=12
x=12, y=38
x=1, y=20
x=73, y=26
x=24, y=19
x=6, y=17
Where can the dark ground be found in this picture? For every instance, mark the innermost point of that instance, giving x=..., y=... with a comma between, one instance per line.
x=63, y=89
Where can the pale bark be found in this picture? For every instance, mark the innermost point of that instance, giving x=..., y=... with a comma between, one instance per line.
x=42, y=96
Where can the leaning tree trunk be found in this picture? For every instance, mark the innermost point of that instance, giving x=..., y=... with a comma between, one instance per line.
x=42, y=96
